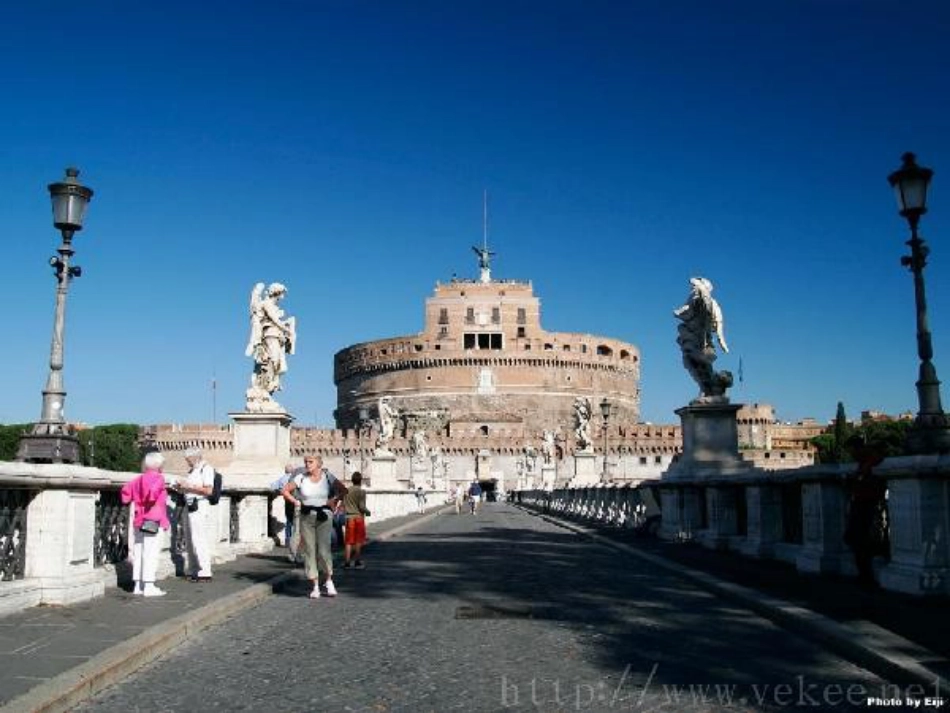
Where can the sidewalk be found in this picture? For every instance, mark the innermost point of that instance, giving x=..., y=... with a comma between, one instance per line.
x=43, y=642
x=922, y=621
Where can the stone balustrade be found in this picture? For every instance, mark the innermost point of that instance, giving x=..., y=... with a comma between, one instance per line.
x=65, y=536
x=798, y=516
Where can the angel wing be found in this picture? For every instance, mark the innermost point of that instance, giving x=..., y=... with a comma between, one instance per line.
x=255, y=312
x=719, y=326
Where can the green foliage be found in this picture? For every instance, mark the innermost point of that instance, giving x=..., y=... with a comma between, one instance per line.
x=10, y=437
x=842, y=432
x=889, y=435
x=112, y=447
x=825, y=448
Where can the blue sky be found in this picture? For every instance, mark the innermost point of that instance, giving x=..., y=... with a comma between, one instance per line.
x=342, y=148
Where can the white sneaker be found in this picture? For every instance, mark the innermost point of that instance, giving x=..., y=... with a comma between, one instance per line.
x=315, y=592
x=139, y=589
x=152, y=591
x=331, y=590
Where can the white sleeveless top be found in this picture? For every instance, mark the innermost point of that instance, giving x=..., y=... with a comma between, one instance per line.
x=310, y=493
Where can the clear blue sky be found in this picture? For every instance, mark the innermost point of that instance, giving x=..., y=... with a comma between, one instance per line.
x=342, y=148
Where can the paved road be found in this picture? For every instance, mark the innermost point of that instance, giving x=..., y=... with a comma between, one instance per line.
x=500, y=611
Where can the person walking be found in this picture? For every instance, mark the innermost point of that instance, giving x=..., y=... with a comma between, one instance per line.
x=354, y=503
x=865, y=530
x=148, y=494
x=459, y=499
x=474, y=495
x=196, y=488
x=420, y=499
x=316, y=492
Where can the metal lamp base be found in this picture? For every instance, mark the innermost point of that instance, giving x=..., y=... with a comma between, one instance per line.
x=929, y=434
x=48, y=448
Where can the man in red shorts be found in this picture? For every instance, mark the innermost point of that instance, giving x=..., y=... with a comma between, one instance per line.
x=354, y=502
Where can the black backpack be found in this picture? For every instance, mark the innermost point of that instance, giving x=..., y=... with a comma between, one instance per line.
x=216, y=489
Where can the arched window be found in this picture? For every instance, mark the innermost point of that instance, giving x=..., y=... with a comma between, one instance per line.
x=483, y=430
x=604, y=350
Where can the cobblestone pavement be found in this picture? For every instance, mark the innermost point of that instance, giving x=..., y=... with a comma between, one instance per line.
x=499, y=611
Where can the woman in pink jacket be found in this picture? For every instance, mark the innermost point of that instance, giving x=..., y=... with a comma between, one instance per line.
x=147, y=493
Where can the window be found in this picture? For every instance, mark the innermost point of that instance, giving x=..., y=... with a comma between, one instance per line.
x=496, y=341
x=469, y=341
x=548, y=347
x=643, y=460
x=567, y=347
x=583, y=348
x=483, y=430
x=522, y=316
x=443, y=315
x=520, y=332
x=658, y=460
x=604, y=350
x=470, y=315
x=483, y=341
x=496, y=315
x=443, y=332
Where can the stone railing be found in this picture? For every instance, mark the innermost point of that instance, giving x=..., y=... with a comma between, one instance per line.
x=65, y=536
x=798, y=516
x=620, y=505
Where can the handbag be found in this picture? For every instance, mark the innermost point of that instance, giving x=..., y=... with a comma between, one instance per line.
x=149, y=527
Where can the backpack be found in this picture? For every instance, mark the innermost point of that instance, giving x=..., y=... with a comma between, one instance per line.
x=216, y=489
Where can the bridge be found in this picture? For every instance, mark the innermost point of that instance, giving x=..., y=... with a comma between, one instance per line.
x=514, y=608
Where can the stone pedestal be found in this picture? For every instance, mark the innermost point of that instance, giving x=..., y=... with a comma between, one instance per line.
x=59, y=546
x=261, y=448
x=585, y=470
x=722, y=516
x=419, y=475
x=710, y=442
x=764, y=524
x=548, y=476
x=383, y=472
x=919, y=511
x=824, y=507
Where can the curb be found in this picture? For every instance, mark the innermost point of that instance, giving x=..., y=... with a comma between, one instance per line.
x=70, y=688
x=868, y=645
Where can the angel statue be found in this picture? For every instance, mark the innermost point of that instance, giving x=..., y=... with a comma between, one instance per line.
x=582, y=416
x=272, y=339
x=548, y=446
x=700, y=322
x=419, y=446
x=387, y=424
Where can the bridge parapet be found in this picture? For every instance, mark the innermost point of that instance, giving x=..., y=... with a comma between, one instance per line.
x=798, y=516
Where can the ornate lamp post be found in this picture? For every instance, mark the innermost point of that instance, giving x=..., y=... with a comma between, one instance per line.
x=49, y=441
x=605, y=407
x=931, y=430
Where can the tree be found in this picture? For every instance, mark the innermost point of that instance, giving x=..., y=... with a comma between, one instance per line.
x=10, y=438
x=841, y=433
x=111, y=447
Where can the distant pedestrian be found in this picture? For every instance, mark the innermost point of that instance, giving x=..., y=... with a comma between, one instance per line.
x=316, y=492
x=865, y=532
x=420, y=499
x=474, y=495
x=148, y=494
x=196, y=488
x=354, y=502
x=459, y=499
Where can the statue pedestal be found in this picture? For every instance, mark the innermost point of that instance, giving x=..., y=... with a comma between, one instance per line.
x=585, y=470
x=382, y=472
x=548, y=476
x=710, y=442
x=261, y=447
x=419, y=475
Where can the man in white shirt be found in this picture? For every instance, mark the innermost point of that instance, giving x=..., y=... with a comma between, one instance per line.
x=197, y=487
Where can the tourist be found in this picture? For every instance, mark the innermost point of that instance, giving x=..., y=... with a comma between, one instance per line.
x=459, y=499
x=277, y=486
x=354, y=503
x=147, y=492
x=316, y=492
x=865, y=532
x=196, y=488
x=474, y=495
x=420, y=499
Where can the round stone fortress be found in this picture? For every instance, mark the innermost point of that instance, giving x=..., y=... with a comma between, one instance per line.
x=483, y=362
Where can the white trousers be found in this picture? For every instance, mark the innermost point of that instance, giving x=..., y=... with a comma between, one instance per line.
x=145, y=550
x=199, y=540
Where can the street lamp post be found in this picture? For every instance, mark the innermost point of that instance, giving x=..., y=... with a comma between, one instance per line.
x=605, y=406
x=931, y=430
x=49, y=441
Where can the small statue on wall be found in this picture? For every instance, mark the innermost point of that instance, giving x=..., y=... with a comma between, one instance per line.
x=419, y=446
x=582, y=415
x=387, y=424
x=548, y=446
x=700, y=322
